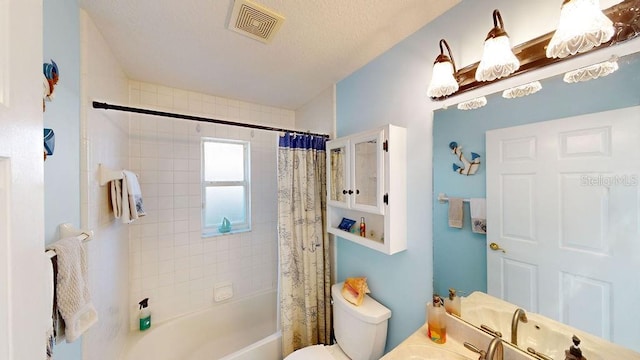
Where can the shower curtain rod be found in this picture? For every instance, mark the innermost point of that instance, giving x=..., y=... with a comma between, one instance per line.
x=106, y=106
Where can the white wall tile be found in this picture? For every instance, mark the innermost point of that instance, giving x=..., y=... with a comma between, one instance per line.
x=169, y=259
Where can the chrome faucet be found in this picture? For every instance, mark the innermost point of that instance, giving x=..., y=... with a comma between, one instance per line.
x=518, y=315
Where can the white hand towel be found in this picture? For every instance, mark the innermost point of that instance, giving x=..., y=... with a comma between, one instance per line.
x=134, y=192
x=456, y=212
x=478, y=210
x=72, y=291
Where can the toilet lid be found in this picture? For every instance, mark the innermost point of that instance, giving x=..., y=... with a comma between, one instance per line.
x=317, y=352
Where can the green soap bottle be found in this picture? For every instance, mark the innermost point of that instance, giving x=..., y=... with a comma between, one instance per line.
x=145, y=314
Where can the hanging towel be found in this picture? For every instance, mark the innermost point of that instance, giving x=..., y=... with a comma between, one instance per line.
x=49, y=289
x=71, y=290
x=478, y=207
x=136, y=208
x=456, y=212
x=116, y=197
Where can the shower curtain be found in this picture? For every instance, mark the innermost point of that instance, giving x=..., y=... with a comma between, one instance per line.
x=305, y=284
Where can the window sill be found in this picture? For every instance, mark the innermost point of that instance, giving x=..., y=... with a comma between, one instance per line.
x=209, y=234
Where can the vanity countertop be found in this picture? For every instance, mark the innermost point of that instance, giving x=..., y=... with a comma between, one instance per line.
x=419, y=346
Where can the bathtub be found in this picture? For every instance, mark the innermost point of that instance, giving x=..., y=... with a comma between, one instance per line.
x=239, y=330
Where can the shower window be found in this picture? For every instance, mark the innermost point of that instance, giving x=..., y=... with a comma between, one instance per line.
x=225, y=186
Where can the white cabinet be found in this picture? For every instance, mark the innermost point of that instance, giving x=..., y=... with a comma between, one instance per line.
x=366, y=180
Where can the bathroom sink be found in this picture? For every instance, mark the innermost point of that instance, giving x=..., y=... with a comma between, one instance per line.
x=419, y=352
x=542, y=334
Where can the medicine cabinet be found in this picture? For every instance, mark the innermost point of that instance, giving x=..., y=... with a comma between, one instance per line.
x=366, y=180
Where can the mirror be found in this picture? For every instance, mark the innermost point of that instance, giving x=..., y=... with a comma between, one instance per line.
x=338, y=167
x=365, y=172
x=460, y=256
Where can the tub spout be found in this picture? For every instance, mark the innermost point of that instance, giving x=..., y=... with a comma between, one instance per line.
x=518, y=315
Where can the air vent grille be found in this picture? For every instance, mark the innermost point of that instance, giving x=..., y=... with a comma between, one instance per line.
x=254, y=20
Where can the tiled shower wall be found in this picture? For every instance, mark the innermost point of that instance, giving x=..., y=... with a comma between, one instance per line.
x=104, y=140
x=170, y=262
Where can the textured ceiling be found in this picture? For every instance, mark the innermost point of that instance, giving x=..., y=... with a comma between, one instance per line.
x=186, y=44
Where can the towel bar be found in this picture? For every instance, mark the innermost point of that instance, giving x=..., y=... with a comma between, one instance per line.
x=107, y=174
x=67, y=230
x=442, y=198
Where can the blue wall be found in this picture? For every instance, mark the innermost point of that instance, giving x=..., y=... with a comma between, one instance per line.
x=392, y=89
x=61, y=25
x=460, y=255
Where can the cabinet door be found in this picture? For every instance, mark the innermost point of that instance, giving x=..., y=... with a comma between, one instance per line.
x=367, y=176
x=338, y=173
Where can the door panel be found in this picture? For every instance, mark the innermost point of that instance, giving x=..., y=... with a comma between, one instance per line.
x=583, y=228
x=564, y=204
x=518, y=222
x=581, y=314
x=520, y=283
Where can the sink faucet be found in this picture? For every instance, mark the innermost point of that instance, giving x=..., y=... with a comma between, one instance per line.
x=495, y=351
x=518, y=315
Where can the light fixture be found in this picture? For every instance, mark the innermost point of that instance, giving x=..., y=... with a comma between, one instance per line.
x=473, y=103
x=522, y=90
x=592, y=71
x=442, y=81
x=582, y=26
x=498, y=60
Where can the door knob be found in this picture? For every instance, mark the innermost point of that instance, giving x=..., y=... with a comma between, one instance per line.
x=495, y=247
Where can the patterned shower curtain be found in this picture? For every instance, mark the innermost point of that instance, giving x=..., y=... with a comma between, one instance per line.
x=305, y=284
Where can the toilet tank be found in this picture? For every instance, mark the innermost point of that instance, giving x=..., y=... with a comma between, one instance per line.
x=361, y=331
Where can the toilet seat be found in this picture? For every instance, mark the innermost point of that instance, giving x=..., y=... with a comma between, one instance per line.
x=318, y=352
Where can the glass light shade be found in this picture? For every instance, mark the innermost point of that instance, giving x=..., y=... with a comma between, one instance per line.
x=498, y=59
x=522, y=90
x=591, y=72
x=442, y=81
x=473, y=103
x=582, y=26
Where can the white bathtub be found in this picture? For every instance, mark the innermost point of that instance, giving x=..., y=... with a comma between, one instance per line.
x=239, y=330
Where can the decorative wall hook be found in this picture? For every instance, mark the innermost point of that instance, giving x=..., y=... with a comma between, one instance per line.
x=51, y=76
x=468, y=167
x=49, y=142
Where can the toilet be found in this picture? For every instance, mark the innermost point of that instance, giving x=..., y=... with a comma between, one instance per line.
x=360, y=331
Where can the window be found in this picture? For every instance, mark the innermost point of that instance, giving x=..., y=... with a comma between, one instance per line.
x=226, y=189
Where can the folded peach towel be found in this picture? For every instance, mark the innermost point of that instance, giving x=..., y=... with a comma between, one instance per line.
x=354, y=289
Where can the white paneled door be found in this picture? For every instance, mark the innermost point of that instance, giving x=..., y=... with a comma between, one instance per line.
x=563, y=202
x=24, y=314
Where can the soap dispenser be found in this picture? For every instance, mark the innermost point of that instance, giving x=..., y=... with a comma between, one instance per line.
x=145, y=314
x=436, y=320
x=574, y=352
x=452, y=303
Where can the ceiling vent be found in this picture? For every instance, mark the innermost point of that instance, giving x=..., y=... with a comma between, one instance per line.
x=254, y=20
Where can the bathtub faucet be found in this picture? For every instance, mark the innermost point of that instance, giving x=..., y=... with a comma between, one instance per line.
x=518, y=315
